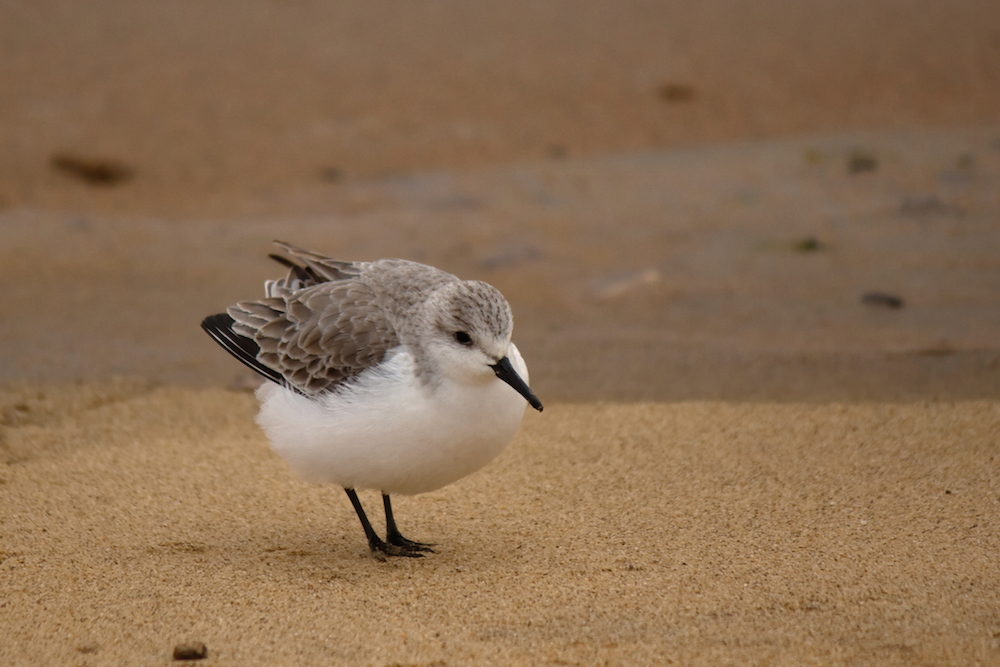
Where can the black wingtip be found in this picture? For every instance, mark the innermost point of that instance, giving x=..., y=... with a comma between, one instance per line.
x=216, y=325
x=220, y=328
x=213, y=322
x=221, y=324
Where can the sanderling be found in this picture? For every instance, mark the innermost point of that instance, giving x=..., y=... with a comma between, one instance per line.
x=385, y=375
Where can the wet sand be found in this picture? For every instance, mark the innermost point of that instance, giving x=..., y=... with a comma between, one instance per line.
x=732, y=272
x=741, y=461
x=220, y=108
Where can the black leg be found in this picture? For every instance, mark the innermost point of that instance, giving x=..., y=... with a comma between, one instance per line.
x=379, y=548
x=392, y=534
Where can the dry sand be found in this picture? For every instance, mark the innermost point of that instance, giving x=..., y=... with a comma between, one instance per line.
x=688, y=533
x=739, y=461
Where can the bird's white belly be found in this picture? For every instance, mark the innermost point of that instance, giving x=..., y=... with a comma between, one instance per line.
x=390, y=432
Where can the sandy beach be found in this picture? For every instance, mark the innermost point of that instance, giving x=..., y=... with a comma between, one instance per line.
x=684, y=533
x=753, y=254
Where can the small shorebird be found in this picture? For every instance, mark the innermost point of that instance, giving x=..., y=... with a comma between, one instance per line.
x=387, y=375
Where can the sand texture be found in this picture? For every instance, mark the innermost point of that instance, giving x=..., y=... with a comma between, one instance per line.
x=692, y=533
x=753, y=254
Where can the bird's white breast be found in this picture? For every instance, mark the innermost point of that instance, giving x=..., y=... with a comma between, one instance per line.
x=388, y=431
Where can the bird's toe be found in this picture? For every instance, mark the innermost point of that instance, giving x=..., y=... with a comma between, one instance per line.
x=381, y=550
x=400, y=541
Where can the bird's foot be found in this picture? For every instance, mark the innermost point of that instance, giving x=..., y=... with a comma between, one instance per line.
x=398, y=540
x=381, y=550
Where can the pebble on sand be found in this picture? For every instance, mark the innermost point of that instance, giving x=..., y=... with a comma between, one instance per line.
x=190, y=651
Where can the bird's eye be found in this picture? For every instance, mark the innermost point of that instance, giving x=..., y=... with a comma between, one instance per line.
x=463, y=338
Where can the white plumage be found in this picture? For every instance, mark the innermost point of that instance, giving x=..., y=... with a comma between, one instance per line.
x=389, y=432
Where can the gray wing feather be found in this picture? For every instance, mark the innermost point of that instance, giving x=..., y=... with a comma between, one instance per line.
x=315, y=269
x=320, y=336
x=323, y=268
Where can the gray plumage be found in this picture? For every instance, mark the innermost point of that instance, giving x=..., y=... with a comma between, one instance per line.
x=328, y=320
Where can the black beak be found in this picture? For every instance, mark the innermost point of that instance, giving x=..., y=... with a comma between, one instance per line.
x=506, y=372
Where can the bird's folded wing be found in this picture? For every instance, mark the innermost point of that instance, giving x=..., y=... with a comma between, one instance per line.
x=318, y=337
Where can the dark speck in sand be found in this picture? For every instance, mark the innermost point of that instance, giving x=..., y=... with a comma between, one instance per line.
x=861, y=162
x=882, y=299
x=808, y=244
x=331, y=174
x=677, y=92
x=92, y=171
